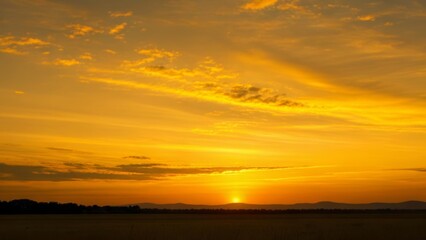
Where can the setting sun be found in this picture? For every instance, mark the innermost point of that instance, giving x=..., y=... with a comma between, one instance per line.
x=236, y=200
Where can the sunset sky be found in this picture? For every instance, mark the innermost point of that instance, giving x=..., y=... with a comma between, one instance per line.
x=213, y=101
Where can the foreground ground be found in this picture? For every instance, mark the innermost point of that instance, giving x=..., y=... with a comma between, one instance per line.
x=222, y=226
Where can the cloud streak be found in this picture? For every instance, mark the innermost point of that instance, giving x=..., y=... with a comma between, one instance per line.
x=121, y=14
x=79, y=30
x=66, y=62
x=250, y=93
x=42, y=173
x=79, y=171
x=213, y=93
x=16, y=46
x=259, y=4
x=150, y=55
x=137, y=157
x=117, y=29
x=412, y=169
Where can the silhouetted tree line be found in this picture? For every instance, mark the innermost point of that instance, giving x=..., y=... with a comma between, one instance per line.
x=25, y=206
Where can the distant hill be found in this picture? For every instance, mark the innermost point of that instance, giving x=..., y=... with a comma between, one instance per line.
x=409, y=205
x=26, y=206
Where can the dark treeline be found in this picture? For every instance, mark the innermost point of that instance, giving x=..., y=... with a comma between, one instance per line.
x=25, y=206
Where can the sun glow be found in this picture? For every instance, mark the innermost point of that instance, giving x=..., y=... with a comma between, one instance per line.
x=236, y=200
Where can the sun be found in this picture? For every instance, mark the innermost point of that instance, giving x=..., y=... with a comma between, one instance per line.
x=236, y=200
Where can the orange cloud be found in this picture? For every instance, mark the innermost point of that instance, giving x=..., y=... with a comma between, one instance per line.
x=115, y=31
x=259, y=4
x=66, y=62
x=13, y=51
x=23, y=41
x=79, y=30
x=13, y=45
x=158, y=53
x=121, y=14
x=150, y=55
x=291, y=5
x=110, y=51
x=86, y=56
x=367, y=18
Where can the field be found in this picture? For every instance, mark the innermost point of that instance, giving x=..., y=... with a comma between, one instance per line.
x=221, y=226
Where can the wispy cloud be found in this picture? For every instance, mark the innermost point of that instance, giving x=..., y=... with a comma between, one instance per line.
x=151, y=65
x=137, y=157
x=250, y=93
x=259, y=4
x=79, y=30
x=86, y=56
x=66, y=150
x=42, y=173
x=65, y=62
x=16, y=46
x=411, y=169
x=23, y=41
x=110, y=51
x=121, y=14
x=367, y=18
x=150, y=55
x=292, y=5
x=273, y=103
x=207, y=81
x=117, y=29
x=12, y=51
x=78, y=171
x=156, y=53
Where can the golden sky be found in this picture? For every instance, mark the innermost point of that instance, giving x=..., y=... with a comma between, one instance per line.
x=264, y=101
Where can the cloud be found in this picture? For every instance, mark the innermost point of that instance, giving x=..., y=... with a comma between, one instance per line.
x=291, y=5
x=19, y=92
x=208, y=92
x=79, y=30
x=116, y=30
x=259, y=4
x=14, y=45
x=110, y=51
x=161, y=169
x=23, y=41
x=41, y=173
x=121, y=14
x=86, y=56
x=207, y=69
x=65, y=62
x=150, y=55
x=412, y=169
x=367, y=18
x=78, y=171
x=208, y=80
x=156, y=53
x=76, y=165
x=60, y=149
x=250, y=93
x=13, y=51
x=161, y=71
x=67, y=150
x=137, y=157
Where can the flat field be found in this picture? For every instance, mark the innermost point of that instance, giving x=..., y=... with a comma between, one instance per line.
x=215, y=226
